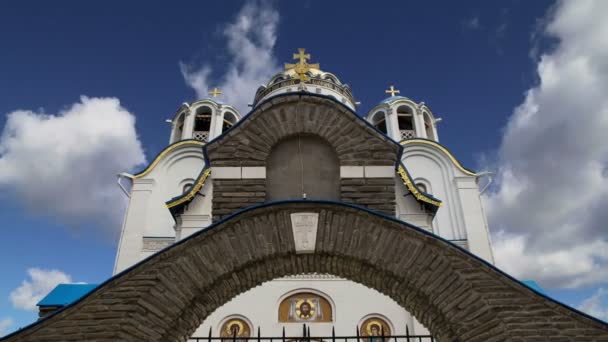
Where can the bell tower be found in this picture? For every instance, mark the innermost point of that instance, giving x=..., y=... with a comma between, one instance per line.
x=202, y=120
x=401, y=118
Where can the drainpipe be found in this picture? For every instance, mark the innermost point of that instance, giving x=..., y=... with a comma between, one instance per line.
x=121, y=176
x=490, y=179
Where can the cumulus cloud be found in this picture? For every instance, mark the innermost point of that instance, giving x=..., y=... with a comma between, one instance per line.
x=39, y=284
x=250, y=41
x=64, y=165
x=549, y=212
x=5, y=324
x=597, y=304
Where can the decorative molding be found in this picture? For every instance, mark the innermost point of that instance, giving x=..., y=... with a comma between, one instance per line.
x=351, y=172
x=253, y=172
x=379, y=171
x=419, y=195
x=304, y=227
x=442, y=149
x=192, y=192
x=155, y=244
x=226, y=172
x=164, y=152
x=311, y=276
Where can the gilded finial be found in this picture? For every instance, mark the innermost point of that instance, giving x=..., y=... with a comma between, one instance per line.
x=392, y=91
x=301, y=67
x=215, y=92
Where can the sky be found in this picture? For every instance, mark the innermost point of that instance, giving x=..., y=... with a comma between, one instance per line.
x=85, y=88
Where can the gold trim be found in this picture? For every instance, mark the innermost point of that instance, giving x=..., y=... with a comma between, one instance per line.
x=410, y=186
x=444, y=150
x=195, y=188
x=164, y=153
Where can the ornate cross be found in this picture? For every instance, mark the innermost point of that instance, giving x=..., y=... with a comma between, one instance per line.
x=392, y=91
x=302, y=67
x=301, y=55
x=215, y=92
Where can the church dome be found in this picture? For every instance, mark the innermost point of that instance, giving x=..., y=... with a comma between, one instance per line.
x=393, y=99
x=302, y=76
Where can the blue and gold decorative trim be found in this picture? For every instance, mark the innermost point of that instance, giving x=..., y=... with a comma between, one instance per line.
x=186, y=197
x=442, y=149
x=419, y=195
x=164, y=152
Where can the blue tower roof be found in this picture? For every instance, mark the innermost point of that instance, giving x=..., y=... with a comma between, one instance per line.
x=65, y=294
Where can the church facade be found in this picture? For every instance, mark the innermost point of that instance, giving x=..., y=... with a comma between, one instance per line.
x=389, y=161
x=303, y=212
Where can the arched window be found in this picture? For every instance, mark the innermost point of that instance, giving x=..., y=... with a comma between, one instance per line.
x=305, y=307
x=178, y=130
x=202, y=123
x=405, y=120
x=422, y=187
x=302, y=166
x=379, y=121
x=229, y=121
x=428, y=126
x=186, y=187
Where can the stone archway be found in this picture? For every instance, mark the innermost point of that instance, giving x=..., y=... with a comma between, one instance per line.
x=456, y=295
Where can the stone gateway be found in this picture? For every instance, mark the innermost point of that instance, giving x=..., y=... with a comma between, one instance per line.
x=304, y=219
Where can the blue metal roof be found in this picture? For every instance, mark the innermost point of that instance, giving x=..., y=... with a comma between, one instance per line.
x=65, y=294
x=534, y=286
x=393, y=98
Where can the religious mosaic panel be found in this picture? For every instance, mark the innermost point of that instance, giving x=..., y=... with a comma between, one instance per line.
x=235, y=327
x=375, y=326
x=305, y=307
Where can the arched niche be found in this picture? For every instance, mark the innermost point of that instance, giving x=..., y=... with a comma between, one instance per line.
x=302, y=166
x=305, y=306
x=229, y=121
x=235, y=326
x=379, y=121
x=202, y=123
x=405, y=121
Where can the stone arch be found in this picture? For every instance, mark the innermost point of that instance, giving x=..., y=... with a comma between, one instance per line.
x=456, y=295
x=302, y=166
x=249, y=142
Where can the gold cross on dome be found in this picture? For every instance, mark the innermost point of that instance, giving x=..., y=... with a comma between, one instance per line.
x=215, y=92
x=392, y=91
x=301, y=67
x=301, y=55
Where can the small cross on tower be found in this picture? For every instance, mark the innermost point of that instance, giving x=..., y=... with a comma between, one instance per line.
x=392, y=91
x=215, y=92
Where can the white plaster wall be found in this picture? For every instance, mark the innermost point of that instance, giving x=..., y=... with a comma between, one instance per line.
x=448, y=220
x=352, y=302
x=147, y=214
x=461, y=217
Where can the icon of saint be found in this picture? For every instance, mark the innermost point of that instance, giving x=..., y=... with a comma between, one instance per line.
x=305, y=310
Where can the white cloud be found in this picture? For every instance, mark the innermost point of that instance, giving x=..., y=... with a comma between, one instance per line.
x=597, y=304
x=250, y=41
x=39, y=284
x=549, y=210
x=65, y=165
x=5, y=324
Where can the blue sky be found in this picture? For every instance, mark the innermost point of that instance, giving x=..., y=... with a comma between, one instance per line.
x=494, y=71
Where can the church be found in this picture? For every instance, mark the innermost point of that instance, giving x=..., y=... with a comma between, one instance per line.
x=304, y=219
